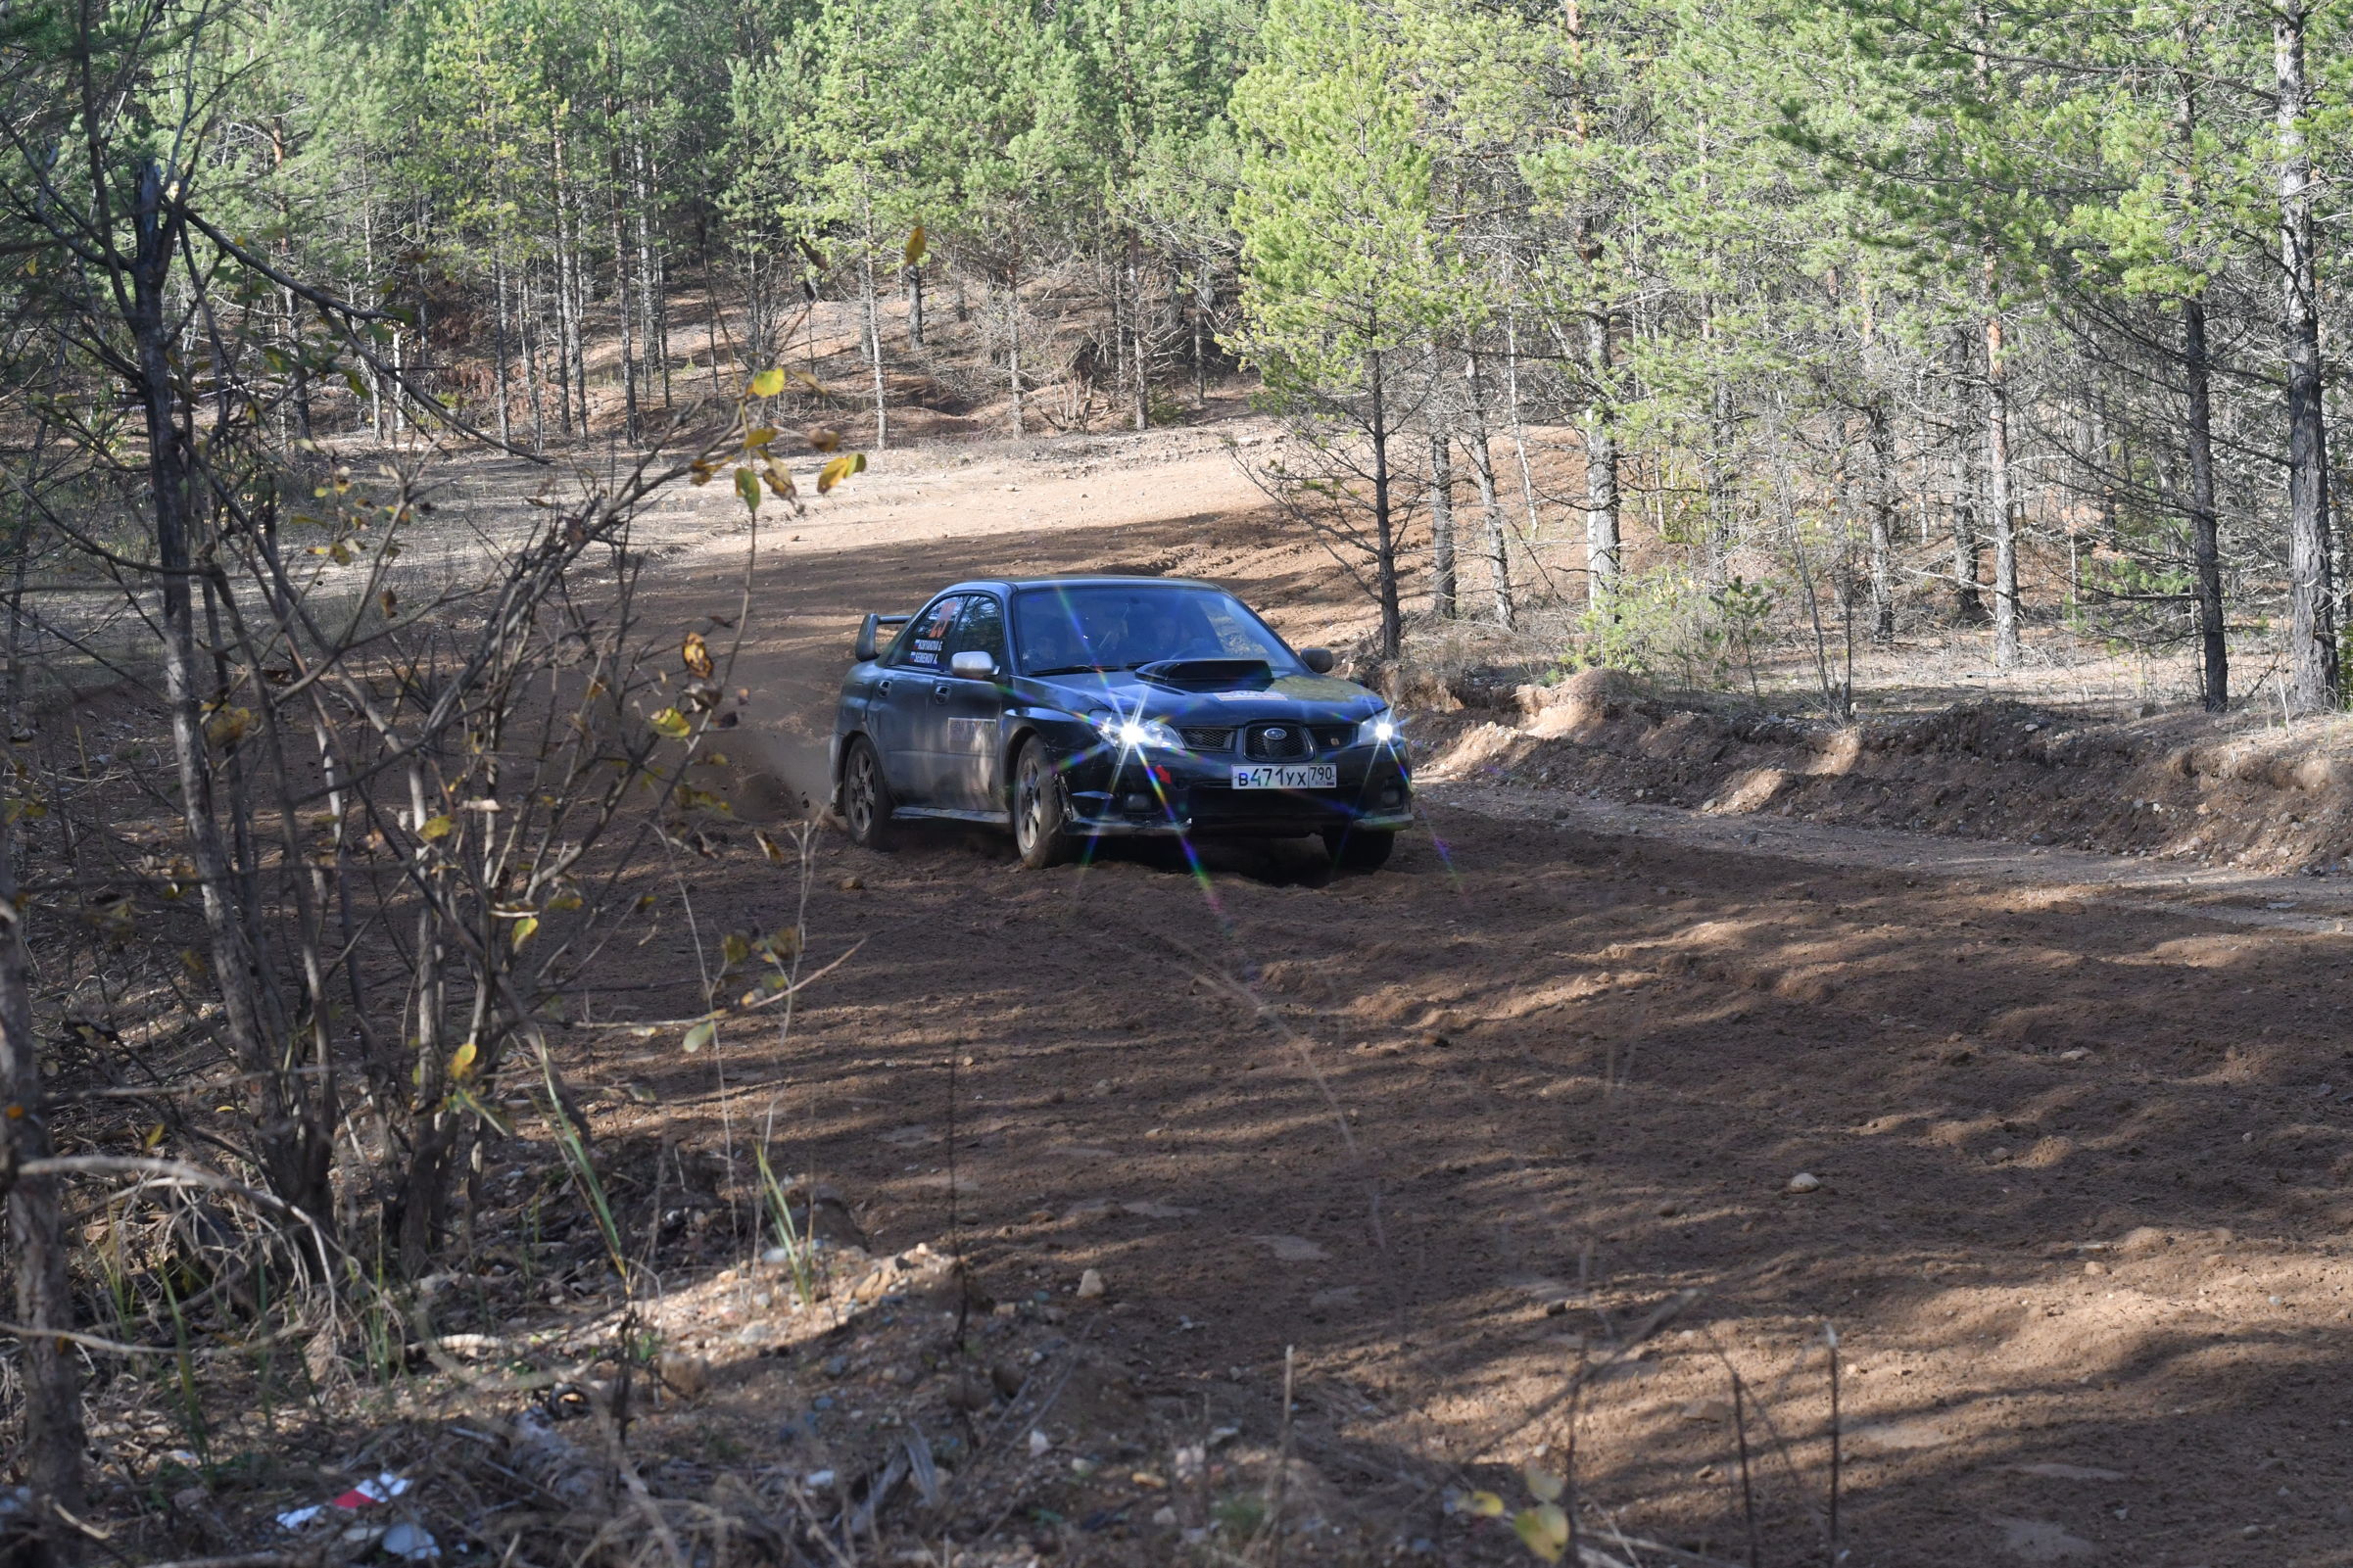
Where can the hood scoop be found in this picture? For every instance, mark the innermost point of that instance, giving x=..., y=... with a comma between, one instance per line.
x=1207, y=674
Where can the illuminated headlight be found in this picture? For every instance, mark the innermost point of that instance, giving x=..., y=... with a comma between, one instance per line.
x=1378, y=730
x=1134, y=735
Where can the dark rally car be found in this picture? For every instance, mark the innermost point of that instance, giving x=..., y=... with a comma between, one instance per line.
x=1083, y=707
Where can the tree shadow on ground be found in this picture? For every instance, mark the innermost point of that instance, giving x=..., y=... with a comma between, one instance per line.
x=1452, y=1127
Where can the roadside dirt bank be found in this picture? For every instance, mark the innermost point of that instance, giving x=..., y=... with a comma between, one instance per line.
x=2175, y=787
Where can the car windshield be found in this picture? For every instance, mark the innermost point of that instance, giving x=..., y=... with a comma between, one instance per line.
x=1118, y=626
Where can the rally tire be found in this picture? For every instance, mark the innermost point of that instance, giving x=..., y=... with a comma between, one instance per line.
x=1359, y=848
x=1041, y=832
x=865, y=804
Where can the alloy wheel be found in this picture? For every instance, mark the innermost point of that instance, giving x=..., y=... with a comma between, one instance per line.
x=861, y=792
x=1028, y=802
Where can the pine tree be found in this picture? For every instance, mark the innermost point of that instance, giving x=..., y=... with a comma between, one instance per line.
x=1342, y=278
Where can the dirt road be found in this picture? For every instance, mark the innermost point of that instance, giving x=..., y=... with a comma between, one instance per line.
x=2078, y=1210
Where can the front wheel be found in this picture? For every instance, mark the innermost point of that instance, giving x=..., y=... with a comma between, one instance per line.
x=1041, y=811
x=1359, y=848
x=866, y=796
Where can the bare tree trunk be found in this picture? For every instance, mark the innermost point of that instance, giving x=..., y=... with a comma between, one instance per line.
x=571, y=364
x=1968, y=604
x=1116, y=279
x=2313, y=677
x=560, y=287
x=1922, y=497
x=759, y=328
x=915, y=304
x=1202, y=300
x=1603, y=557
x=533, y=332
x=632, y=429
x=1442, y=523
x=367, y=268
x=584, y=284
x=299, y=377
x=36, y=1243
x=2095, y=440
x=571, y=374
x=420, y=367
x=1141, y=379
x=300, y=373
x=399, y=406
x=2205, y=543
x=1968, y=601
x=1603, y=549
x=498, y=273
x=874, y=329
x=1482, y=469
x=1836, y=700
x=2214, y=665
x=714, y=321
x=1716, y=476
x=1383, y=521
x=1998, y=505
x=19, y=550
x=1012, y=352
x=418, y=1204
x=1883, y=527
x=1520, y=429
x=1996, y=408
x=649, y=279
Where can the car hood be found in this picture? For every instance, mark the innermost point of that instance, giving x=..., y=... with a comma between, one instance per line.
x=1288, y=696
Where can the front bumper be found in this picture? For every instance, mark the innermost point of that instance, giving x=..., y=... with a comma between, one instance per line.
x=1184, y=794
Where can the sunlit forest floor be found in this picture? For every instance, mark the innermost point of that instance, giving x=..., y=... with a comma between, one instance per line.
x=1523, y=1114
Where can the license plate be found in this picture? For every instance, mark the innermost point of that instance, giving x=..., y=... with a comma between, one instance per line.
x=1288, y=776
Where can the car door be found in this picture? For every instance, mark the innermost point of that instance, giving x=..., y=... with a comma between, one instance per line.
x=904, y=721
x=964, y=775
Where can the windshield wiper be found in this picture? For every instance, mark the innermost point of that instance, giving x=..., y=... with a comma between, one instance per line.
x=1080, y=668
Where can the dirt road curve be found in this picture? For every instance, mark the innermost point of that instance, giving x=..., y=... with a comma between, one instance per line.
x=2082, y=1214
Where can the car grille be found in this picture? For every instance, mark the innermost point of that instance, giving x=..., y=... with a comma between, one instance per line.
x=1208, y=739
x=1281, y=742
x=1272, y=742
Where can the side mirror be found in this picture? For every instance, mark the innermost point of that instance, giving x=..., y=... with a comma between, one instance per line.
x=972, y=665
x=1317, y=659
x=863, y=649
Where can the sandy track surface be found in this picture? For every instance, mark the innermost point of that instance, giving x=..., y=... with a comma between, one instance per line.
x=2104, y=881
x=972, y=489
x=2080, y=1147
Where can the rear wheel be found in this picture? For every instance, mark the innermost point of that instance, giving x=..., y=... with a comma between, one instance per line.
x=1040, y=817
x=866, y=796
x=1359, y=848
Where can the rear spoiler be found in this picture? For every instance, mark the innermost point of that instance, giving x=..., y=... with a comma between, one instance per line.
x=871, y=629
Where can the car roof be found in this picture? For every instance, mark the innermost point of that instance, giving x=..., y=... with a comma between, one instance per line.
x=1088, y=579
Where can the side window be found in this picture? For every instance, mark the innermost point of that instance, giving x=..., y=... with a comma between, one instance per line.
x=922, y=645
x=1236, y=638
x=982, y=629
